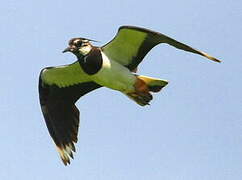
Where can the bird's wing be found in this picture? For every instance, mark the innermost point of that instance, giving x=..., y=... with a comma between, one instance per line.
x=59, y=89
x=131, y=44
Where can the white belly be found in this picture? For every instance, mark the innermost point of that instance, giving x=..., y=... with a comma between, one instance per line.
x=114, y=76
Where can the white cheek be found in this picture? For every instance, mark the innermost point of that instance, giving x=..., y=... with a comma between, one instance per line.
x=85, y=50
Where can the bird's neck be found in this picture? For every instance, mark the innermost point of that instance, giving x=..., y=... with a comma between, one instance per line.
x=83, y=58
x=80, y=57
x=92, y=62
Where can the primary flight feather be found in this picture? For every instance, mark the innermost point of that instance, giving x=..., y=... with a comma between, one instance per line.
x=112, y=65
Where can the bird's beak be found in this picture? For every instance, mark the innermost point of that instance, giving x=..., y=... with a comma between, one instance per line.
x=68, y=49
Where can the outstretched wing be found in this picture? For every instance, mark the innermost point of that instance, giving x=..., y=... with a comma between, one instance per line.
x=59, y=89
x=131, y=44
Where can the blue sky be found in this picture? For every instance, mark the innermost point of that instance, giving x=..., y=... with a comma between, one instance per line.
x=192, y=130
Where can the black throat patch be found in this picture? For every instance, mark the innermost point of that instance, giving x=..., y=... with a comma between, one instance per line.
x=92, y=62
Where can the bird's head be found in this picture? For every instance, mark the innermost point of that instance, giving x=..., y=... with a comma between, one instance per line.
x=79, y=46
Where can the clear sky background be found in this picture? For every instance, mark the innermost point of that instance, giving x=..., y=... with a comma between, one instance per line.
x=191, y=131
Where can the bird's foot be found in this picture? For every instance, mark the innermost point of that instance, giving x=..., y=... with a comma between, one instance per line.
x=141, y=98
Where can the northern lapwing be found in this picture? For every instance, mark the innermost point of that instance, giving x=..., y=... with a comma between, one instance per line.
x=113, y=65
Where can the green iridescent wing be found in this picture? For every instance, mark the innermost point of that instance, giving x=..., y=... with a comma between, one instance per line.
x=131, y=44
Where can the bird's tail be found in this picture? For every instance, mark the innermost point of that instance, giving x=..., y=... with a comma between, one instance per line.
x=153, y=84
x=144, y=85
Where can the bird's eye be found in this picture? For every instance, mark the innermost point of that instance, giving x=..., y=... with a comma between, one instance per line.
x=78, y=43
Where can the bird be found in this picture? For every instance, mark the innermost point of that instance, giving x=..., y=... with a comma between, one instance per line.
x=113, y=65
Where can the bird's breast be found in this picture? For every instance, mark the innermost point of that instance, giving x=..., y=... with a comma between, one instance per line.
x=114, y=75
x=92, y=63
